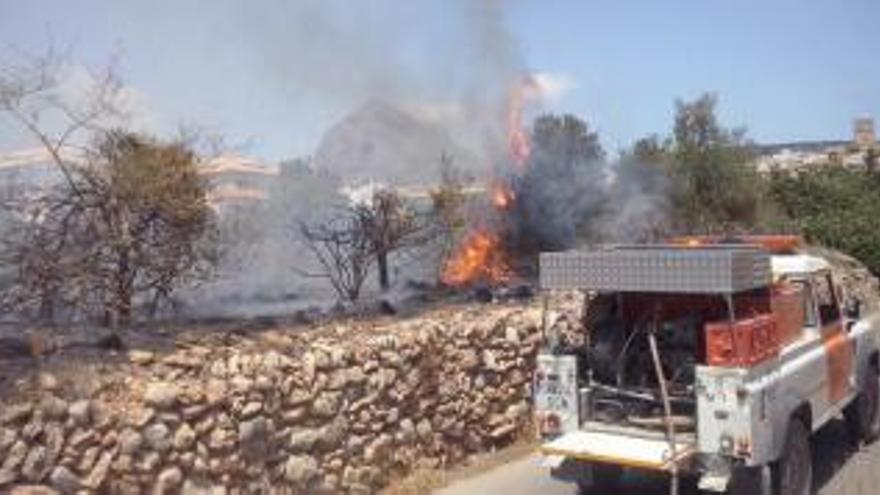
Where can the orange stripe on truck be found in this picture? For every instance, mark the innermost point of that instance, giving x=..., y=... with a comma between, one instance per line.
x=840, y=352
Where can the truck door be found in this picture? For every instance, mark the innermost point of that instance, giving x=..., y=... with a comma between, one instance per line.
x=838, y=347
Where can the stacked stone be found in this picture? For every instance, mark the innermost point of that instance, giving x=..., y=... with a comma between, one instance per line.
x=338, y=412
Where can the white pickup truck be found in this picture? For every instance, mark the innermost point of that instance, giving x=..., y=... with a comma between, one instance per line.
x=712, y=363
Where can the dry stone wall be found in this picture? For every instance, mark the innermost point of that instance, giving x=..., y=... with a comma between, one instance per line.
x=341, y=409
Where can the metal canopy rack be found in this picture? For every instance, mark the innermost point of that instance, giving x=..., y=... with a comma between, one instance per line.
x=716, y=269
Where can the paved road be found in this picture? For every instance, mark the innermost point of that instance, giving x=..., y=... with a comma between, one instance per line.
x=839, y=470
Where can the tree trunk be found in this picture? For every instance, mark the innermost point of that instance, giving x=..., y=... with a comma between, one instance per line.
x=123, y=290
x=382, y=259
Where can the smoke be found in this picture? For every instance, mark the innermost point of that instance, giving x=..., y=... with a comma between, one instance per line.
x=331, y=58
x=638, y=203
x=405, y=84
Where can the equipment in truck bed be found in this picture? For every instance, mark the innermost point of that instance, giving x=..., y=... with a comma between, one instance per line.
x=721, y=269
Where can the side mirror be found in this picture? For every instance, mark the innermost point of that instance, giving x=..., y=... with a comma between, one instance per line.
x=853, y=309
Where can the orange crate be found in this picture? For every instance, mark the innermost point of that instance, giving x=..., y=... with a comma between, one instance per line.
x=745, y=342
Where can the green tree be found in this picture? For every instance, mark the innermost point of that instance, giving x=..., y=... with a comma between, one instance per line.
x=560, y=195
x=131, y=223
x=714, y=186
x=834, y=206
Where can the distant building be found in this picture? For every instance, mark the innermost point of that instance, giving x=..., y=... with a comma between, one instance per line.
x=236, y=180
x=863, y=133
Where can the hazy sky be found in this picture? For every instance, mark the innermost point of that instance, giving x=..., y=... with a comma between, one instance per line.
x=276, y=74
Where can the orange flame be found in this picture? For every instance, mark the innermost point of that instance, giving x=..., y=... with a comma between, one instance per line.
x=503, y=195
x=518, y=143
x=480, y=258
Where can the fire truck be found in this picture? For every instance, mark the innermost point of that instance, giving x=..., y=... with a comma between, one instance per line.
x=711, y=362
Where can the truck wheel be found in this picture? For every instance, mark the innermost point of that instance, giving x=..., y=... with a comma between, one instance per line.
x=606, y=480
x=863, y=414
x=793, y=473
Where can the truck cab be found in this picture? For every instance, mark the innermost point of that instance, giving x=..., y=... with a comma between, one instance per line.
x=712, y=363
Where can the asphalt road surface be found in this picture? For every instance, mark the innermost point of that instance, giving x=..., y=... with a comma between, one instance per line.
x=839, y=469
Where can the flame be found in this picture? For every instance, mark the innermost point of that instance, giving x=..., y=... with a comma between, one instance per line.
x=480, y=258
x=503, y=195
x=519, y=145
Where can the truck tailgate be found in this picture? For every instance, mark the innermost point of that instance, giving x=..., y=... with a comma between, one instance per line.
x=623, y=450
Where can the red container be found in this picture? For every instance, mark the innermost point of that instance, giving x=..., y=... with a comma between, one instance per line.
x=743, y=343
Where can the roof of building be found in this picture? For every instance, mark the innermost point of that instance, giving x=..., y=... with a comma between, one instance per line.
x=234, y=164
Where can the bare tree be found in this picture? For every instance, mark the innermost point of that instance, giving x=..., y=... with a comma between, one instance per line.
x=129, y=219
x=389, y=226
x=360, y=234
x=31, y=94
x=342, y=248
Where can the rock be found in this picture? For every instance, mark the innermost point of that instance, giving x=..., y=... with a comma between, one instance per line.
x=220, y=439
x=192, y=412
x=241, y=384
x=331, y=435
x=162, y=395
x=303, y=440
x=424, y=428
x=382, y=379
x=378, y=449
x=98, y=474
x=469, y=360
x=32, y=490
x=47, y=381
x=82, y=438
x=517, y=411
x=263, y=383
x=34, y=467
x=150, y=462
x=79, y=411
x=182, y=360
x=142, y=417
x=54, y=438
x=7, y=438
x=294, y=415
x=407, y=430
x=141, y=357
x=254, y=439
x=87, y=461
x=326, y=405
x=158, y=437
x=184, y=437
x=34, y=427
x=65, y=480
x=200, y=487
x=502, y=432
x=251, y=409
x=16, y=412
x=490, y=361
x=392, y=416
x=168, y=480
x=300, y=470
x=130, y=441
x=53, y=407
x=7, y=476
x=204, y=426
x=15, y=456
x=298, y=397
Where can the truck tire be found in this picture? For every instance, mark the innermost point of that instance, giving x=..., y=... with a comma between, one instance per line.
x=863, y=414
x=793, y=473
x=606, y=480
